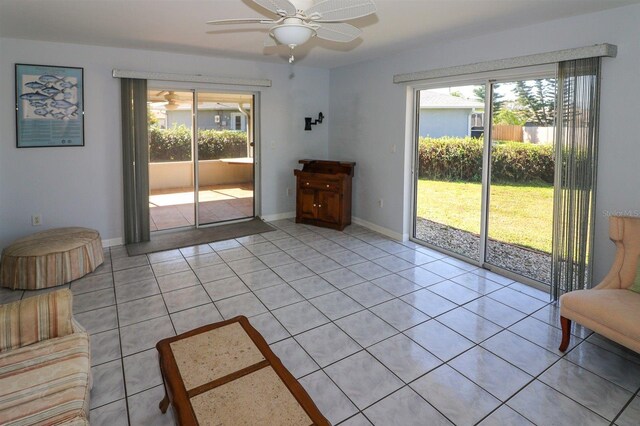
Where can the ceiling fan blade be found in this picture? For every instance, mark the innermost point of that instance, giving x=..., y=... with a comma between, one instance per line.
x=281, y=7
x=340, y=10
x=339, y=31
x=241, y=21
x=270, y=41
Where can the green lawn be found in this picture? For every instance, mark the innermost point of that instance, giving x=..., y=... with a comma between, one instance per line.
x=519, y=214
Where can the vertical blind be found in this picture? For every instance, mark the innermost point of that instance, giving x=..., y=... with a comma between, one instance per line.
x=578, y=98
x=135, y=160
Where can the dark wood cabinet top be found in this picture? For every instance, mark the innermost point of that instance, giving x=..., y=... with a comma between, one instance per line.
x=327, y=167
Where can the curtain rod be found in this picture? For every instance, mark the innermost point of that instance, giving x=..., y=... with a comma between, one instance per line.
x=191, y=78
x=598, y=50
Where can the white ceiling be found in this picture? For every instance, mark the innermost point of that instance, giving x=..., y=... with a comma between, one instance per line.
x=179, y=25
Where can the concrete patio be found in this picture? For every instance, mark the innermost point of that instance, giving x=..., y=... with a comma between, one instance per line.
x=174, y=207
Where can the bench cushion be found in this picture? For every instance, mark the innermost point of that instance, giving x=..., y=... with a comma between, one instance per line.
x=46, y=383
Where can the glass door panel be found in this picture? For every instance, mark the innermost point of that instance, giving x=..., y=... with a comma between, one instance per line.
x=520, y=204
x=448, y=199
x=171, y=183
x=225, y=164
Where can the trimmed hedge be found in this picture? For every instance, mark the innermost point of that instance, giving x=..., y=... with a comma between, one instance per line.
x=215, y=144
x=460, y=159
x=175, y=144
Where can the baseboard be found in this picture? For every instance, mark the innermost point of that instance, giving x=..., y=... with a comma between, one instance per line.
x=379, y=229
x=112, y=242
x=372, y=226
x=278, y=216
x=287, y=215
x=268, y=218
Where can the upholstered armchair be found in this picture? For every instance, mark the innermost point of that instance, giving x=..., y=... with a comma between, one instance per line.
x=611, y=308
x=45, y=368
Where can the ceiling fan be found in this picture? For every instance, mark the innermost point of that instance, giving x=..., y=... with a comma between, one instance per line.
x=170, y=102
x=300, y=20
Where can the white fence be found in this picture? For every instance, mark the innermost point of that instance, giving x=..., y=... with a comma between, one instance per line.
x=538, y=135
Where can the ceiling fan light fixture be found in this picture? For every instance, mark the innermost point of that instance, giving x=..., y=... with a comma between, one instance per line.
x=300, y=20
x=292, y=35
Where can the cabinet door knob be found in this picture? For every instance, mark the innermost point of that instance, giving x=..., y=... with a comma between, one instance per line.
x=327, y=186
x=314, y=205
x=307, y=183
x=319, y=205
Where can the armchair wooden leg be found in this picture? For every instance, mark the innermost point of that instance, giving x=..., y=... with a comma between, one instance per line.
x=164, y=404
x=565, y=323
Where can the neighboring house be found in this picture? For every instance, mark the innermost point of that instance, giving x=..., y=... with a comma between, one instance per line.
x=446, y=115
x=211, y=116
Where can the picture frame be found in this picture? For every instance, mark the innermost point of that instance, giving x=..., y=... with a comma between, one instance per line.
x=49, y=106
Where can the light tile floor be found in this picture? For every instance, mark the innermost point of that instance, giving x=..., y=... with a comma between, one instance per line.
x=376, y=331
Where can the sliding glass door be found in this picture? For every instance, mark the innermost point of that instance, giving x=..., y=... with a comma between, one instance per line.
x=202, y=165
x=449, y=182
x=520, y=196
x=171, y=184
x=225, y=167
x=485, y=171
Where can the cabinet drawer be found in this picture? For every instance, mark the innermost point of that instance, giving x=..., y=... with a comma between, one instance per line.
x=316, y=184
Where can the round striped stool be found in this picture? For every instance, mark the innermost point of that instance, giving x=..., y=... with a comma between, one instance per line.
x=50, y=258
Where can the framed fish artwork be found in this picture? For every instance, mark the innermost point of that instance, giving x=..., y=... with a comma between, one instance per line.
x=49, y=106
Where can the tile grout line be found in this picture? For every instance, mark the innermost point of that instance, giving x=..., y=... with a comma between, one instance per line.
x=629, y=402
x=124, y=382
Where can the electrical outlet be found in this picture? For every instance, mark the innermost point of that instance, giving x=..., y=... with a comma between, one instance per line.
x=381, y=203
x=394, y=148
x=288, y=192
x=36, y=220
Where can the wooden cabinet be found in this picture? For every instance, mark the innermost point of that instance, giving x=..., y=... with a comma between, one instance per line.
x=323, y=193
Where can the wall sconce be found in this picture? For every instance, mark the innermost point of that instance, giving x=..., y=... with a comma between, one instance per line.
x=308, y=123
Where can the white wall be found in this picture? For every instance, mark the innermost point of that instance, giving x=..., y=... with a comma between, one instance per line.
x=82, y=186
x=369, y=114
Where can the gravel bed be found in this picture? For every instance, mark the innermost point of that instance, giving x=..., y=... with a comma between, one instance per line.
x=527, y=262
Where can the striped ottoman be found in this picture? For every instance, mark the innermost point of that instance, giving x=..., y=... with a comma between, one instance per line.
x=50, y=258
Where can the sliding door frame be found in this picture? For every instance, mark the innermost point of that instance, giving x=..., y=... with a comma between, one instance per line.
x=251, y=124
x=195, y=88
x=436, y=84
x=543, y=74
x=488, y=79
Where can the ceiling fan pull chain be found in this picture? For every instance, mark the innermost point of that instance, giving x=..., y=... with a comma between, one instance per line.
x=291, y=57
